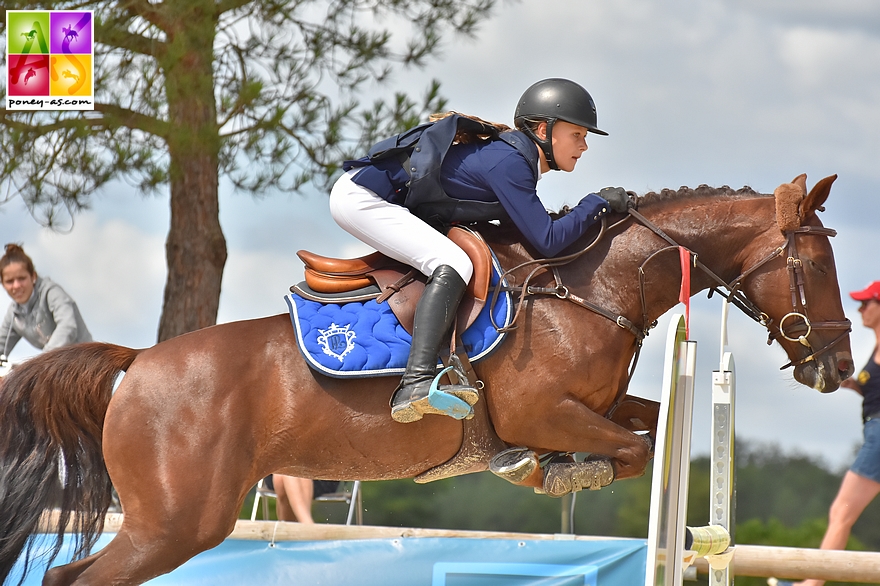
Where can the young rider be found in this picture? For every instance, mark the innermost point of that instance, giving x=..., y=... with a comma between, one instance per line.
x=401, y=205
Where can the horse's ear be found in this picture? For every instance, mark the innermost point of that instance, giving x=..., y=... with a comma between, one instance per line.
x=788, y=203
x=813, y=202
x=801, y=180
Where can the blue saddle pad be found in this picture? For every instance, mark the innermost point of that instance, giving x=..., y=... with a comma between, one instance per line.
x=363, y=339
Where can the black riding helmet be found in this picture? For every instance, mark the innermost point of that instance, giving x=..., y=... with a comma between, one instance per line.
x=551, y=100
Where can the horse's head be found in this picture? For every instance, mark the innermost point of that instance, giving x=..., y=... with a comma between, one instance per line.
x=799, y=292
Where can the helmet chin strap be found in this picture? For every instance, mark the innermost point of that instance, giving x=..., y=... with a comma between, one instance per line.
x=545, y=144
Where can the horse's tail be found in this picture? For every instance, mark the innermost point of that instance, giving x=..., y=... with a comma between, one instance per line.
x=51, y=418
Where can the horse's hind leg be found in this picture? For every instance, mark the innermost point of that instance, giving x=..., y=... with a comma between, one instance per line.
x=66, y=574
x=133, y=557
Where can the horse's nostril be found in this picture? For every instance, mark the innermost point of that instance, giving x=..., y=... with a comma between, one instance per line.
x=845, y=365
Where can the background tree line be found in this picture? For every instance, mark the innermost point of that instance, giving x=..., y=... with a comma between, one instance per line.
x=781, y=499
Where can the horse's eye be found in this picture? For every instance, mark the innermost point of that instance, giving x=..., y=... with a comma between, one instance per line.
x=817, y=267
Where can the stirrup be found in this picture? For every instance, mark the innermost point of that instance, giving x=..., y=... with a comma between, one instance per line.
x=452, y=403
x=452, y=400
x=514, y=464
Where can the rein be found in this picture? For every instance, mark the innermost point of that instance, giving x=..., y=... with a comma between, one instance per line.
x=799, y=332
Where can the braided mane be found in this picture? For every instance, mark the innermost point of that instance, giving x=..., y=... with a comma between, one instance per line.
x=508, y=232
x=653, y=197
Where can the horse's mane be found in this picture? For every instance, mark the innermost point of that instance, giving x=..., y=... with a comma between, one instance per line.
x=683, y=192
x=506, y=231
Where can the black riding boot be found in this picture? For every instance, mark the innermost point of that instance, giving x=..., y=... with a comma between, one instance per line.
x=434, y=316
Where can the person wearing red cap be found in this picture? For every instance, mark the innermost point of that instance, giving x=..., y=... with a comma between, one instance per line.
x=861, y=483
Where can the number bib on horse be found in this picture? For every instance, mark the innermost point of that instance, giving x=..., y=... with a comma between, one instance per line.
x=364, y=338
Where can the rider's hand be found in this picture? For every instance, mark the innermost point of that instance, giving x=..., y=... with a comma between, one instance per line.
x=617, y=198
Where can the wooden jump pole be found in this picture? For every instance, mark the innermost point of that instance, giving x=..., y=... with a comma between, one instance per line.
x=288, y=531
x=749, y=560
x=796, y=563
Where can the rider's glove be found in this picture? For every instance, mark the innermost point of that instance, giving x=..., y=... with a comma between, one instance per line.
x=617, y=197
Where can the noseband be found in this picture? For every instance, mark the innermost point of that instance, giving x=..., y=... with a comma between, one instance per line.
x=799, y=301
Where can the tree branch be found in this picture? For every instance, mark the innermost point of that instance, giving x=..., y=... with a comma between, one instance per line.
x=114, y=33
x=224, y=6
x=114, y=117
x=148, y=12
x=118, y=116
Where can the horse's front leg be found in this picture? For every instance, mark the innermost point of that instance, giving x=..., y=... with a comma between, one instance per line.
x=636, y=414
x=568, y=425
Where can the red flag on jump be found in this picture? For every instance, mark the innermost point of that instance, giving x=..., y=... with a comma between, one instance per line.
x=684, y=294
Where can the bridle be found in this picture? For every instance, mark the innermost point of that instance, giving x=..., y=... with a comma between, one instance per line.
x=734, y=294
x=794, y=326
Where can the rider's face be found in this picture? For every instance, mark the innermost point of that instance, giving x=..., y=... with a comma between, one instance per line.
x=569, y=143
x=18, y=282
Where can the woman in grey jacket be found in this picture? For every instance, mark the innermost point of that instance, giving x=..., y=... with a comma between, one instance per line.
x=41, y=312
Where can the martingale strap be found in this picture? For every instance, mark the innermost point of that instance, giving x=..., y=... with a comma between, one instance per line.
x=561, y=291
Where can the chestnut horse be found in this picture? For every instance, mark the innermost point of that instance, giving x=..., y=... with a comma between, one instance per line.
x=199, y=419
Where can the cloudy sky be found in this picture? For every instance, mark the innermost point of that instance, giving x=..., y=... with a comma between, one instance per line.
x=745, y=92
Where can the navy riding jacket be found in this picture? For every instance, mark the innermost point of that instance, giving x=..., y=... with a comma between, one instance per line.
x=474, y=178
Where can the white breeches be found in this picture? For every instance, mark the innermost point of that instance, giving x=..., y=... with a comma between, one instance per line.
x=393, y=230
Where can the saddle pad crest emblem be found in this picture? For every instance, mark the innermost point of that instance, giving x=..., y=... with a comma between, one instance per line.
x=337, y=338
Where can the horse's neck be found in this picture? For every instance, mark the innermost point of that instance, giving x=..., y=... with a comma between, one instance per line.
x=726, y=234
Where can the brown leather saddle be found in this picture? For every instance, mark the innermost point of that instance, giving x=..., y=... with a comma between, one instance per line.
x=398, y=283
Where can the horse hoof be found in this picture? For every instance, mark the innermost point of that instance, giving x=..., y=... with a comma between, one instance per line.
x=514, y=464
x=561, y=479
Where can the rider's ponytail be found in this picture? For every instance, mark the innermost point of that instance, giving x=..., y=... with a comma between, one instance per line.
x=466, y=137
